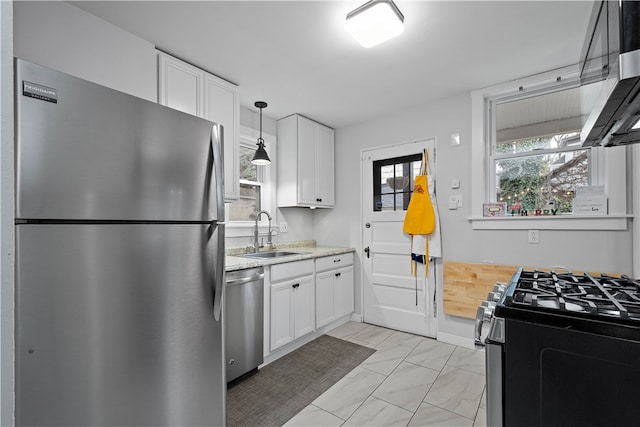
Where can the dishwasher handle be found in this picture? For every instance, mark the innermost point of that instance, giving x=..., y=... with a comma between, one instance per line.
x=247, y=279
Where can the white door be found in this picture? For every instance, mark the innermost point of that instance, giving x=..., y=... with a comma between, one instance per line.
x=393, y=297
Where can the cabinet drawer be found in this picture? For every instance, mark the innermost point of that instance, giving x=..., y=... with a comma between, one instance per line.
x=289, y=270
x=334, y=261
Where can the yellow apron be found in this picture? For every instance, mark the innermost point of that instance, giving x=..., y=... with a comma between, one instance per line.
x=420, y=217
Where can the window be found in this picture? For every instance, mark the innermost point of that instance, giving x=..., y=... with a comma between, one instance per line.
x=536, y=157
x=251, y=182
x=525, y=151
x=393, y=182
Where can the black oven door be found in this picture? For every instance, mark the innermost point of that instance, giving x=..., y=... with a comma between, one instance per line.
x=558, y=375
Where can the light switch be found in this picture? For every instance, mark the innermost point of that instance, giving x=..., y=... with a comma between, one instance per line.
x=455, y=139
x=455, y=201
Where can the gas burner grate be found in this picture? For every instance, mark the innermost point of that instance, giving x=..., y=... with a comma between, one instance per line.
x=603, y=295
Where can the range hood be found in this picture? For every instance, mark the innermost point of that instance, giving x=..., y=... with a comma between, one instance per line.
x=611, y=56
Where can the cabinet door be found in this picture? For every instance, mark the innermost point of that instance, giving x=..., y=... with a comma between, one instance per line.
x=307, y=138
x=180, y=85
x=282, y=315
x=223, y=106
x=324, y=298
x=304, y=307
x=343, y=291
x=325, y=175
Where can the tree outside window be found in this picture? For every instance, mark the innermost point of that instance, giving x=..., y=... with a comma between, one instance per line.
x=537, y=158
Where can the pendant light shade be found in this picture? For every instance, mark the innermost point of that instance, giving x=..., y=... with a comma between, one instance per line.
x=261, y=157
x=374, y=22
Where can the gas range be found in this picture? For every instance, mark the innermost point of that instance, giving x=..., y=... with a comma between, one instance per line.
x=556, y=340
x=603, y=297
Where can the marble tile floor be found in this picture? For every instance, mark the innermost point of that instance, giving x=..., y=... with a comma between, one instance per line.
x=409, y=381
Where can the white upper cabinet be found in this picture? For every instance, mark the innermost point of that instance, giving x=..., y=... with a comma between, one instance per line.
x=189, y=89
x=222, y=105
x=305, y=163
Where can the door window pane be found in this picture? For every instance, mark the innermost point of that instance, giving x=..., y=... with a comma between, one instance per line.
x=393, y=181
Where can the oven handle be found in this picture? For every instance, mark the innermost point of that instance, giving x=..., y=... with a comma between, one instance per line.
x=483, y=315
x=478, y=329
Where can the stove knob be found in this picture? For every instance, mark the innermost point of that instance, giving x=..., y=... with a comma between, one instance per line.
x=494, y=296
x=489, y=307
x=500, y=288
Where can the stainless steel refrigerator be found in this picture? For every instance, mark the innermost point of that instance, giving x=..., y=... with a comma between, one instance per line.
x=120, y=258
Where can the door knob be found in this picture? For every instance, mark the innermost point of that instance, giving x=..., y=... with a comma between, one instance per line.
x=367, y=250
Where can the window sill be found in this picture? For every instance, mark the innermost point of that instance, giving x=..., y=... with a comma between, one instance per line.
x=562, y=222
x=246, y=229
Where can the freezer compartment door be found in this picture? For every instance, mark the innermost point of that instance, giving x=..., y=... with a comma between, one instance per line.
x=115, y=326
x=99, y=154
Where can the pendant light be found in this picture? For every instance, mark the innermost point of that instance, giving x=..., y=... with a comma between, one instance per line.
x=261, y=157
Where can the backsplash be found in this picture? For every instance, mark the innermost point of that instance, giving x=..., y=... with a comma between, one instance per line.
x=283, y=245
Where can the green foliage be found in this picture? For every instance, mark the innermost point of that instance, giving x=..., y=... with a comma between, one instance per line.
x=536, y=180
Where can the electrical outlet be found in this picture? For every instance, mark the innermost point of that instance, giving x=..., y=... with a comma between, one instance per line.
x=533, y=236
x=283, y=227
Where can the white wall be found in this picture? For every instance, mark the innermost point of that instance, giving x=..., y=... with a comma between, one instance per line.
x=590, y=250
x=63, y=37
x=6, y=216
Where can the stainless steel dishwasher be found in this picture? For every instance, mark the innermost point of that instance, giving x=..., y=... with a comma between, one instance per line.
x=244, y=314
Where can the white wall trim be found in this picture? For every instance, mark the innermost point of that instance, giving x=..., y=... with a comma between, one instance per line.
x=564, y=222
x=356, y=317
x=608, y=166
x=456, y=340
x=245, y=229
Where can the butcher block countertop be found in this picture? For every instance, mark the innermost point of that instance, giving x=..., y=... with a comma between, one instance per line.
x=304, y=250
x=467, y=284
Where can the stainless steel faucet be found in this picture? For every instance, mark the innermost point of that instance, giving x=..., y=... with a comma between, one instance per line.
x=255, y=231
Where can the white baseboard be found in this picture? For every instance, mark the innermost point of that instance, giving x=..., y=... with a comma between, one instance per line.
x=355, y=317
x=456, y=340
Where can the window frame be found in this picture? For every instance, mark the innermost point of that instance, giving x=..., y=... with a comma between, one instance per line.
x=607, y=167
x=248, y=138
x=377, y=178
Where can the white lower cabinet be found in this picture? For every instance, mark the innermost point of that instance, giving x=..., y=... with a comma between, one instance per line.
x=292, y=302
x=334, y=288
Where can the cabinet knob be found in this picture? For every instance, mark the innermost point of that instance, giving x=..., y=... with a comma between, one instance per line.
x=337, y=260
x=318, y=200
x=295, y=285
x=337, y=274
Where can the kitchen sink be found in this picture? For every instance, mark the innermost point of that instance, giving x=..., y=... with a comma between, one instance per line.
x=270, y=254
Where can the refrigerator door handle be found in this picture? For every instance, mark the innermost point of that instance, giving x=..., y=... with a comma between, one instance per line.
x=218, y=285
x=216, y=142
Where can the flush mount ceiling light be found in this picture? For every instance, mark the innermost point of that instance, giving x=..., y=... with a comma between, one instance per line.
x=261, y=157
x=374, y=22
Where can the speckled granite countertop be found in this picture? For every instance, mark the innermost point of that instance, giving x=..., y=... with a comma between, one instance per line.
x=304, y=250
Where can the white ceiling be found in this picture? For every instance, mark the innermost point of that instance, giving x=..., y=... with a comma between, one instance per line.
x=298, y=57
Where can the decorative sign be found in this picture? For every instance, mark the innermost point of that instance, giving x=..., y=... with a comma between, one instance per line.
x=494, y=209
